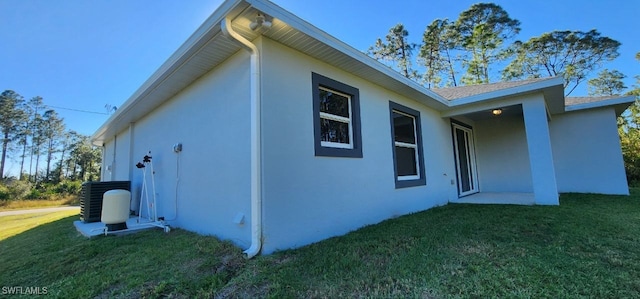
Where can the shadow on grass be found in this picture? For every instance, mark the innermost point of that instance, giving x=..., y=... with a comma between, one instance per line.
x=145, y=264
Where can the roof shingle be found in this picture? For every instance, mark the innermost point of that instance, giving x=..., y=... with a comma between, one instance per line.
x=454, y=93
x=568, y=101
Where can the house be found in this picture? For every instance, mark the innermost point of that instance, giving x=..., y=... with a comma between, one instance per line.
x=288, y=136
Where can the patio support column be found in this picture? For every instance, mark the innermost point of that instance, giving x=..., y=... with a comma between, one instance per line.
x=545, y=188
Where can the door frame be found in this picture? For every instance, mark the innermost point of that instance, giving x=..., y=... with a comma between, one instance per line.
x=472, y=173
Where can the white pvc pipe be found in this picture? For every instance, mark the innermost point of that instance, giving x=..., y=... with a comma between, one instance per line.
x=153, y=189
x=256, y=194
x=113, y=161
x=131, y=143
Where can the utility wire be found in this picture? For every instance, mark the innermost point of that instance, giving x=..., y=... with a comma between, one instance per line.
x=78, y=110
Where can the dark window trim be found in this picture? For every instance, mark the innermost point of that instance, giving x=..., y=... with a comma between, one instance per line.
x=459, y=123
x=355, y=152
x=416, y=114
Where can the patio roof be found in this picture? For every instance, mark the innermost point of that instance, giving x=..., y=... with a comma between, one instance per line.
x=620, y=103
x=459, y=92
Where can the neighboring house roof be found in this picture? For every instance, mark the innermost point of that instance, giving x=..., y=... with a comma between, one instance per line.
x=207, y=47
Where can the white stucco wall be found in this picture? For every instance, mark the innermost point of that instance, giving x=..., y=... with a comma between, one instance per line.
x=208, y=181
x=117, y=159
x=586, y=151
x=107, y=160
x=309, y=198
x=502, y=155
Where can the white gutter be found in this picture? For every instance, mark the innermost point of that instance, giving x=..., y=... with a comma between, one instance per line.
x=256, y=179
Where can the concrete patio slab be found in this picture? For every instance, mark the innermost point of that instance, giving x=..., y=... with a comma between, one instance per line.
x=497, y=198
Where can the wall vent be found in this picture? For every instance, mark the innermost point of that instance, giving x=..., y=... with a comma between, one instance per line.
x=91, y=198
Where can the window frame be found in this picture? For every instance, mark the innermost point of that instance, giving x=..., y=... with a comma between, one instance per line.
x=335, y=149
x=410, y=180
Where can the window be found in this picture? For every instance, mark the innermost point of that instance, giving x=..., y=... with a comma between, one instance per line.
x=336, y=116
x=407, y=146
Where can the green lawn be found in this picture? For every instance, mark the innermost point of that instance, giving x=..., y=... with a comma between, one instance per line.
x=16, y=224
x=589, y=246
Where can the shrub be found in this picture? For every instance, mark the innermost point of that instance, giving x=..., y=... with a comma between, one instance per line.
x=4, y=193
x=34, y=194
x=69, y=187
x=19, y=189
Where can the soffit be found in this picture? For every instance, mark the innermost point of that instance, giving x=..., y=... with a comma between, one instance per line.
x=207, y=48
x=202, y=52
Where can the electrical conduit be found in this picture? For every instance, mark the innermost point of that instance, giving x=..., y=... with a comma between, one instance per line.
x=256, y=194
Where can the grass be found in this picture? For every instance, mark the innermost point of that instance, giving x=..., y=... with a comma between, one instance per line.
x=16, y=224
x=38, y=203
x=589, y=246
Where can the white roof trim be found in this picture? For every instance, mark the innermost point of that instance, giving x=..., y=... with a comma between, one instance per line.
x=210, y=28
x=177, y=59
x=507, y=91
x=603, y=103
x=308, y=29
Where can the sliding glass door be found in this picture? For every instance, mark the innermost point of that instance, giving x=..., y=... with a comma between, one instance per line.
x=465, y=155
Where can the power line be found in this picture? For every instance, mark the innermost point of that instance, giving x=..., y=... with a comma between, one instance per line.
x=78, y=110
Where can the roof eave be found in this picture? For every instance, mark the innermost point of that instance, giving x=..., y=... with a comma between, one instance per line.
x=209, y=28
x=552, y=88
x=126, y=114
x=620, y=104
x=428, y=97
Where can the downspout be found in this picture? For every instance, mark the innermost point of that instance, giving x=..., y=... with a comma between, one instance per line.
x=256, y=179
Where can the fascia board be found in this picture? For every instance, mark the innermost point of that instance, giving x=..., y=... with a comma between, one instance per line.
x=507, y=92
x=603, y=103
x=305, y=27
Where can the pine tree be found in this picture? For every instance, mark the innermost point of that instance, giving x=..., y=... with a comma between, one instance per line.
x=53, y=128
x=396, y=50
x=483, y=29
x=10, y=118
x=35, y=123
x=438, y=43
x=607, y=83
x=570, y=54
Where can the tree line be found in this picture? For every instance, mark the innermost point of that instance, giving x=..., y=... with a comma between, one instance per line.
x=481, y=46
x=35, y=136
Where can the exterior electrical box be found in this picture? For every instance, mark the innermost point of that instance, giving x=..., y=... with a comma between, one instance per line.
x=91, y=198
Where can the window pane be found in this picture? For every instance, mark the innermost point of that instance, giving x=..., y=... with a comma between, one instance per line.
x=334, y=131
x=406, y=161
x=403, y=128
x=333, y=103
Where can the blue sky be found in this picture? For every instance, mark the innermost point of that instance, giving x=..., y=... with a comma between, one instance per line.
x=82, y=54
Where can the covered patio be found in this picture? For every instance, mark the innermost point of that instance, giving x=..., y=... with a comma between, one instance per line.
x=502, y=147
x=501, y=198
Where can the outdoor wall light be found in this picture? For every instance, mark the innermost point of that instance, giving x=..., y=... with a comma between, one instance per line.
x=496, y=112
x=260, y=22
